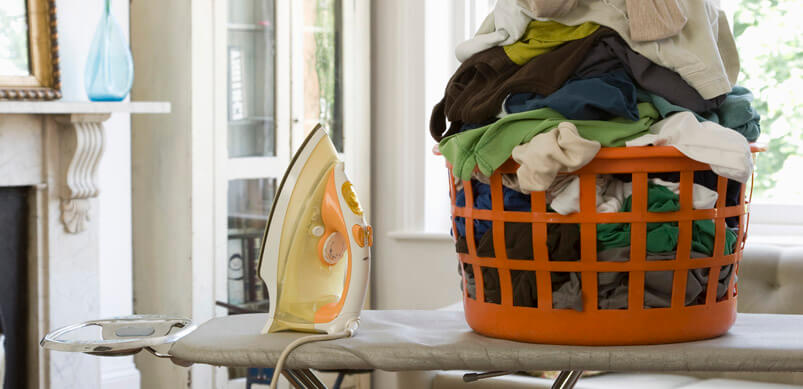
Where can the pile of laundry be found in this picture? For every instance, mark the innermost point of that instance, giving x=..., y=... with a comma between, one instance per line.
x=550, y=82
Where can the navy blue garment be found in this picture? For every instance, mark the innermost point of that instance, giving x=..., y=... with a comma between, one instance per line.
x=601, y=97
x=513, y=200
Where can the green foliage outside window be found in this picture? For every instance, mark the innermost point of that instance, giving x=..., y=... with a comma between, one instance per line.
x=768, y=34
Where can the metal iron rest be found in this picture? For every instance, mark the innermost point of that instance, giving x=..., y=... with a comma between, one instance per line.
x=126, y=335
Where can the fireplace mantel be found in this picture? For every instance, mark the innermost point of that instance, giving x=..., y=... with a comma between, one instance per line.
x=81, y=107
x=81, y=147
x=55, y=148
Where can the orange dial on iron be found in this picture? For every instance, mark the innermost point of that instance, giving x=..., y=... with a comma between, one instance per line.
x=359, y=234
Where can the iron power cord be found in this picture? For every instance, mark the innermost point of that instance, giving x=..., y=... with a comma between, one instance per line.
x=299, y=342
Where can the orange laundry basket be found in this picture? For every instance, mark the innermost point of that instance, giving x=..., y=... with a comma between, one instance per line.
x=593, y=326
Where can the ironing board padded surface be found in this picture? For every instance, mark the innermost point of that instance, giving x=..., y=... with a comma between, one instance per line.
x=441, y=340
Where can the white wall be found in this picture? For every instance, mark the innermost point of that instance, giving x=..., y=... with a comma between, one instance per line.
x=412, y=269
x=77, y=20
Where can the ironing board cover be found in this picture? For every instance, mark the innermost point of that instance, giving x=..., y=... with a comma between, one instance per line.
x=441, y=340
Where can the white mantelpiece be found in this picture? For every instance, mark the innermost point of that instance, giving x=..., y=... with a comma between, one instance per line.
x=82, y=107
x=81, y=147
x=55, y=148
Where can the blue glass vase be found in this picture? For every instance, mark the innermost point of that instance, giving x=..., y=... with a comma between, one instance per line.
x=109, y=71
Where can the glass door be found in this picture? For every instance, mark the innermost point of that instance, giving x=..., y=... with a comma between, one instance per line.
x=255, y=160
x=317, y=77
x=290, y=64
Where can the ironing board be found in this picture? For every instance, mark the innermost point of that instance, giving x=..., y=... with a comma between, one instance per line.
x=441, y=340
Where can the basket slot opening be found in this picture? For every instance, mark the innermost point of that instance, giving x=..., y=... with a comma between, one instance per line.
x=525, y=288
x=613, y=242
x=696, y=285
x=725, y=274
x=483, y=238
x=612, y=192
x=510, y=200
x=658, y=289
x=567, y=291
x=563, y=242
x=469, y=281
x=518, y=241
x=491, y=286
x=728, y=236
x=612, y=290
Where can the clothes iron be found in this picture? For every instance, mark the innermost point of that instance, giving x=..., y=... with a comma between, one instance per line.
x=315, y=261
x=315, y=257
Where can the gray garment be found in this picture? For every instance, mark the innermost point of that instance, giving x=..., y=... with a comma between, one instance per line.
x=569, y=295
x=612, y=52
x=613, y=286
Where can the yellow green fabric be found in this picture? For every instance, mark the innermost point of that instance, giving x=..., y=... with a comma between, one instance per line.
x=662, y=237
x=490, y=146
x=543, y=36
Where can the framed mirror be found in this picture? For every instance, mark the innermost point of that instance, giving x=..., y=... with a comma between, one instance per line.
x=29, y=64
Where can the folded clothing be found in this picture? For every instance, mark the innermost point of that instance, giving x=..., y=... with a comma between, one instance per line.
x=513, y=201
x=613, y=286
x=611, y=52
x=490, y=146
x=705, y=178
x=480, y=85
x=503, y=26
x=544, y=36
x=600, y=97
x=703, y=52
x=735, y=112
x=652, y=20
x=563, y=243
x=661, y=237
x=475, y=91
x=550, y=8
x=564, y=194
x=545, y=155
x=649, y=20
x=726, y=151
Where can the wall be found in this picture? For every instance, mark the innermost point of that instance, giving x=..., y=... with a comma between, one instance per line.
x=77, y=20
x=412, y=269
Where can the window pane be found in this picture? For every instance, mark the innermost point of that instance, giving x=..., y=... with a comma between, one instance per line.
x=322, y=67
x=249, y=203
x=772, y=68
x=251, y=52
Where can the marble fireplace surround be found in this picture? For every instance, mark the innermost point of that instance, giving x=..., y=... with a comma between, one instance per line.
x=54, y=148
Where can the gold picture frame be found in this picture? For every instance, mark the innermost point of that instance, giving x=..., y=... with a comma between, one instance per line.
x=44, y=79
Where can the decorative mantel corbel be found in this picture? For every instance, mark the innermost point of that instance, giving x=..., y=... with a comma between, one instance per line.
x=81, y=147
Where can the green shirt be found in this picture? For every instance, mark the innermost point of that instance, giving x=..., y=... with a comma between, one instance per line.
x=490, y=146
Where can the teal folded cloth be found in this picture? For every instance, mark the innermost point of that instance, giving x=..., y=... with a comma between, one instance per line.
x=736, y=111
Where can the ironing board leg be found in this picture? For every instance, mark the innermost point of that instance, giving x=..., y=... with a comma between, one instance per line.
x=567, y=379
x=293, y=379
x=313, y=379
x=303, y=379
